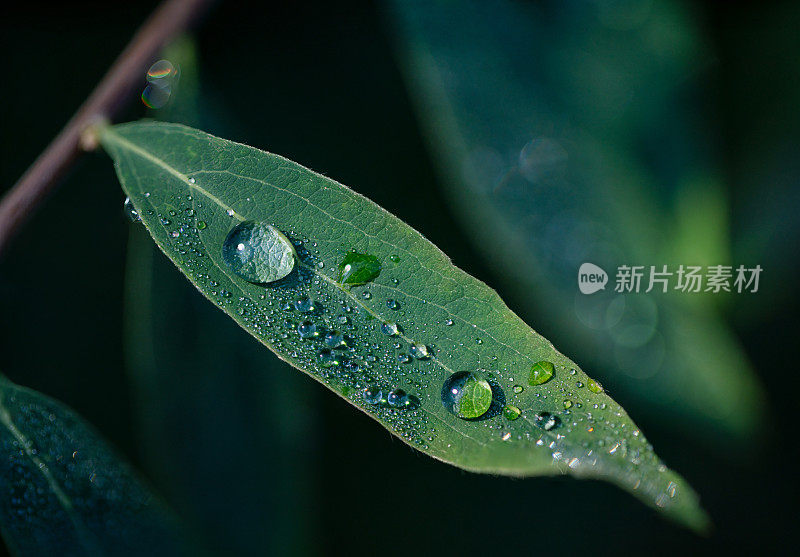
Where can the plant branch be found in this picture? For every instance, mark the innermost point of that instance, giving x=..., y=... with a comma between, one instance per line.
x=125, y=75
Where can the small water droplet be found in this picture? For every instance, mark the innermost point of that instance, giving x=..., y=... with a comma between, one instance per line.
x=449, y=322
x=390, y=329
x=404, y=358
x=567, y=404
x=258, y=252
x=328, y=358
x=546, y=421
x=201, y=225
x=358, y=268
x=334, y=339
x=420, y=351
x=518, y=389
x=541, y=372
x=392, y=304
x=394, y=258
x=192, y=180
x=397, y=398
x=594, y=386
x=511, y=412
x=466, y=396
x=304, y=304
x=373, y=395
x=307, y=329
x=130, y=211
x=366, y=295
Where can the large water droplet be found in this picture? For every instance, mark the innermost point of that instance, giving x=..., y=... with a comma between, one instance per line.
x=358, y=268
x=258, y=252
x=541, y=372
x=466, y=395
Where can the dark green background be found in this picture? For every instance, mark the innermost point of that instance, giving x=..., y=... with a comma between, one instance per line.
x=320, y=85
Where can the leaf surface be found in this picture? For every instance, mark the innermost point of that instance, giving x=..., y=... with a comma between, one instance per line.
x=65, y=492
x=388, y=345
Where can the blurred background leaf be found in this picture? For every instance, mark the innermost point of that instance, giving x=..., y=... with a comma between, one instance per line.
x=573, y=132
x=66, y=492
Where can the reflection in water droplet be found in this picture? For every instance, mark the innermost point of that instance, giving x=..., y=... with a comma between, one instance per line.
x=511, y=412
x=466, y=395
x=541, y=372
x=358, y=268
x=307, y=329
x=546, y=421
x=258, y=252
x=420, y=351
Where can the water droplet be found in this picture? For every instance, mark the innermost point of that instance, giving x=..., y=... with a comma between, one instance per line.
x=307, y=329
x=230, y=212
x=130, y=211
x=567, y=404
x=390, y=329
x=420, y=351
x=541, y=372
x=546, y=421
x=192, y=180
x=334, y=339
x=201, y=225
x=373, y=395
x=394, y=258
x=449, y=322
x=392, y=304
x=328, y=358
x=594, y=386
x=358, y=268
x=511, y=412
x=397, y=397
x=466, y=395
x=305, y=304
x=518, y=389
x=366, y=295
x=258, y=252
x=404, y=358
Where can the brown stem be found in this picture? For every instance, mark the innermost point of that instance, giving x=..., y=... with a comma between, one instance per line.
x=124, y=76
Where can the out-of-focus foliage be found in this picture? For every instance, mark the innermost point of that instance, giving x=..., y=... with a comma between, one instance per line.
x=65, y=491
x=569, y=132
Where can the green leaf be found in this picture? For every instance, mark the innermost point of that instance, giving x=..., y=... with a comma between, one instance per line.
x=448, y=321
x=65, y=492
